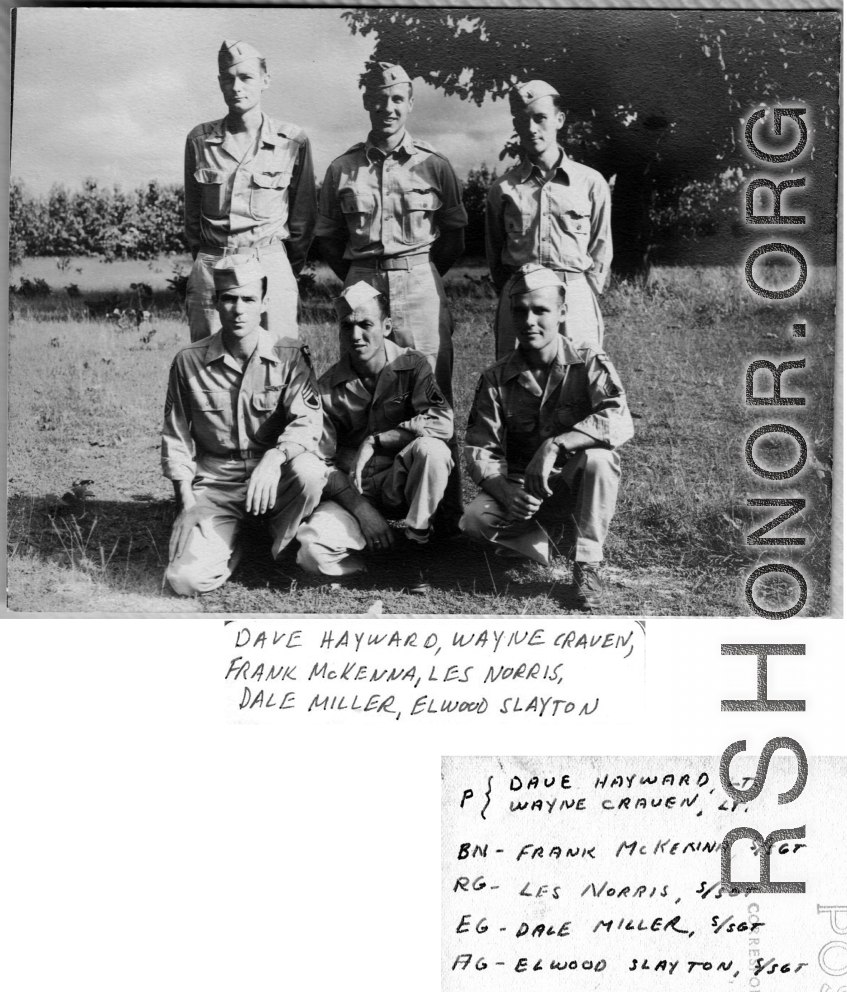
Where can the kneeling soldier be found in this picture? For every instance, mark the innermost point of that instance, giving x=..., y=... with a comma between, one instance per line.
x=391, y=423
x=243, y=421
x=541, y=437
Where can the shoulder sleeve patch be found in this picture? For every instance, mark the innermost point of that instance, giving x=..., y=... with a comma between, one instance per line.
x=310, y=397
x=307, y=355
x=609, y=381
x=433, y=394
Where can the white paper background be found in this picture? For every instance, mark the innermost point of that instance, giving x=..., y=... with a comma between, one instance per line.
x=149, y=842
x=526, y=868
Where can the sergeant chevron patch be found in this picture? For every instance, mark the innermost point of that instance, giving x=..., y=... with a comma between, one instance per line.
x=310, y=397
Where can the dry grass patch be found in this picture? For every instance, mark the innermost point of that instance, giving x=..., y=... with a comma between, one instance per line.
x=86, y=403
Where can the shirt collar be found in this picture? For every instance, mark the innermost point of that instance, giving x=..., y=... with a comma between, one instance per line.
x=527, y=168
x=264, y=348
x=215, y=135
x=566, y=354
x=343, y=370
x=267, y=134
x=406, y=146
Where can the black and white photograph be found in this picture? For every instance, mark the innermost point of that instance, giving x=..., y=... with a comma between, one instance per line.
x=424, y=498
x=422, y=311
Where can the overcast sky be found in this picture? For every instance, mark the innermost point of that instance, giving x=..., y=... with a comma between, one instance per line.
x=113, y=93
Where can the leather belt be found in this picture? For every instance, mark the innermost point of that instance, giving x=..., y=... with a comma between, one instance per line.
x=277, y=246
x=401, y=262
x=242, y=454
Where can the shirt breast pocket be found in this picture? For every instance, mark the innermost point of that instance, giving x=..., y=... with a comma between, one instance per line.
x=359, y=209
x=266, y=401
x=397, y=408
x=213, y=191
x=268, y=194
x=565, y=417
x=213, y=400
x=214, y=409
x=520, y=429
x=418, y=215
x=575, y=227
x=518, y=224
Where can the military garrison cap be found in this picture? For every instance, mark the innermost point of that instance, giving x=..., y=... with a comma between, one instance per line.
x=234, y=271
x=384, y=74
x=526, y=93
x=532, y=276
x=354, y=297
x=233, y=52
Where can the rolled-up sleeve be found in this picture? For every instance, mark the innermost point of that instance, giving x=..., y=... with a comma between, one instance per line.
x=302, y=208
x=610, y=422
x=485, y=455
x=192, y=199
x=600, y=241
x=178, y=450
x=432, y=414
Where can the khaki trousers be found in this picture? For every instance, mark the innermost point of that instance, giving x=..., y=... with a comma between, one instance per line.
x=220, y=487
x=585, y=493
x=413, y=484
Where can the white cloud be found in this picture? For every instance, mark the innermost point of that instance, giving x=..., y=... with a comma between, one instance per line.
x=111, y=93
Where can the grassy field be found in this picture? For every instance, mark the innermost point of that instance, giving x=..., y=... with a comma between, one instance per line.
x=85, y=403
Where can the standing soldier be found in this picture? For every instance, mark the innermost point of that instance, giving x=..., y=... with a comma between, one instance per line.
x=249, y=190
x=391, y=215
x=552, y=211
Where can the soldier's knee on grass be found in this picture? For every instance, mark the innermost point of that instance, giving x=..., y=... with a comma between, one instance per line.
x=185, y=581
x=474, y=524
x=309, y=556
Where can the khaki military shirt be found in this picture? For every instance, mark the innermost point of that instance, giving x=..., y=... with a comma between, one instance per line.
x=394, y=204
x=266, y=196
x=405, y=396
x=216, y=408
x=562, y=223
x=511, y=417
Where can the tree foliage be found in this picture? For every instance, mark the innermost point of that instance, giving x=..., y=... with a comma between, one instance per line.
x=473, y=197
x=654, y=97
x=96, y=220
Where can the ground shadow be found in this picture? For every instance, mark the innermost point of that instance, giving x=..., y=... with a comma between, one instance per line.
x=124, y=546
x=113, y=537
